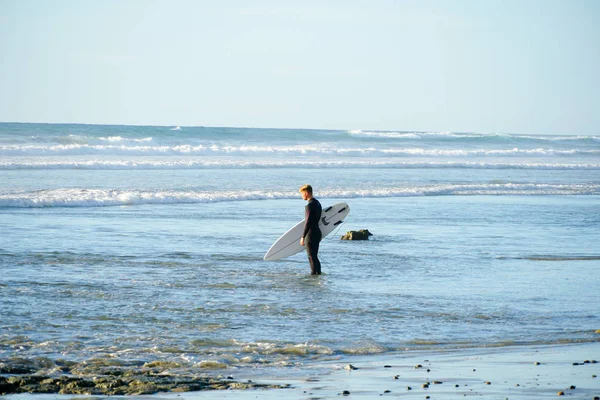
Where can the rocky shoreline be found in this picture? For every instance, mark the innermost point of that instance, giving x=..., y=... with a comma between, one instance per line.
x=93, y=379
x=120, y=385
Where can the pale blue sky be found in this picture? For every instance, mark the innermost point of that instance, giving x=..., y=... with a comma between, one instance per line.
x=515, y=66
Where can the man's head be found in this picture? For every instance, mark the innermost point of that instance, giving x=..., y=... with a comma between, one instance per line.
x=307, y=192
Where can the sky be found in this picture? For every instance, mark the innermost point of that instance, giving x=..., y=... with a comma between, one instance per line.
x=489, y=66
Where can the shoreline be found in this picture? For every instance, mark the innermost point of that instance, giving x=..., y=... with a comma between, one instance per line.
x=516, y=372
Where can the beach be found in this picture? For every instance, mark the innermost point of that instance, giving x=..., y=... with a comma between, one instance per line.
x=514, y=372
x=132, y=263
x=522, y=372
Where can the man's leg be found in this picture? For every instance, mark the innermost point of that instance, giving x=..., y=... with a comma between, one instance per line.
x=312, y=250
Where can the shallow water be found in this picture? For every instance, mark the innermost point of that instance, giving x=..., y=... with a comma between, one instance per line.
x=119, y=249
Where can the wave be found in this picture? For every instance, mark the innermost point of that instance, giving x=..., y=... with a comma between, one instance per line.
x=473, y=136
x=171, y=164
x=122, y=139
x=295, y=150
x=111, y=197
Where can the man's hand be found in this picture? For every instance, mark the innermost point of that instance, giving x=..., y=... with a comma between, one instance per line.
x=302, y=241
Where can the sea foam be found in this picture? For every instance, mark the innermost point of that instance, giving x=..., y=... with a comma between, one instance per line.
x=74, y=197
x=286, y=151
x=142, y=163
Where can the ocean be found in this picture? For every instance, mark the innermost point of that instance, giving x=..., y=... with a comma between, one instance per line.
x=127, y=245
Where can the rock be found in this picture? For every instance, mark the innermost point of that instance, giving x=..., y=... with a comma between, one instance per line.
x=350, y=367
x=561, y=393
x=536, y=363
x=362, y=234
x=346, y=393
x=118, y=385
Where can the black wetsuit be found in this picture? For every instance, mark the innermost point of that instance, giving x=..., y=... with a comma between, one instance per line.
x=312, y=235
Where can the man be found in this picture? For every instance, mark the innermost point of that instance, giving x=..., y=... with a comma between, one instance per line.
x=312, y=234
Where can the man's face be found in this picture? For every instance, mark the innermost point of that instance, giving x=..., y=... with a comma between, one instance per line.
x=304, y=195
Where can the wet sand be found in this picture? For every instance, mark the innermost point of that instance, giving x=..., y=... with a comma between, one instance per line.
x=492, y=373
x=517, y=372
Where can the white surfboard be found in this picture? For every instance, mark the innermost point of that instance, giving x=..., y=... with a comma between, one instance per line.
x=289, y=243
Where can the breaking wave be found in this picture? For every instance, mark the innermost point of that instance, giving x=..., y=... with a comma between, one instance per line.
x=106, y=198
x=294, y=150
x=154, y=164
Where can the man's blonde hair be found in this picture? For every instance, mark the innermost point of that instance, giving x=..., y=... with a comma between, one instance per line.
x=306, y=188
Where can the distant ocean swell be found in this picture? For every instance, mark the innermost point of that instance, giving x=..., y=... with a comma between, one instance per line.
x=158, y=134
x=105, y=198
x=293, y=150
x=170, y=164
x=472, y=136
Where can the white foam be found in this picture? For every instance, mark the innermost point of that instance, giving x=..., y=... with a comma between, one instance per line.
x=393, y=135
x=79, y=197
x=122, y=139
x=16, y=163
x=296, y=150
x=472, y=135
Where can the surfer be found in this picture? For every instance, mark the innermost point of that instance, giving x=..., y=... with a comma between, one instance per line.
x=312, y=234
